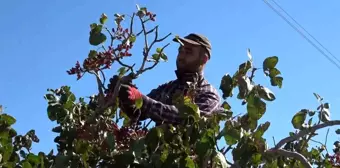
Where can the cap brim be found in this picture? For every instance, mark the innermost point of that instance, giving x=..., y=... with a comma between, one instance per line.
x=183, y=40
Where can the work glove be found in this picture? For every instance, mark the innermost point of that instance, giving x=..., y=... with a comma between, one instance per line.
x=127, y=95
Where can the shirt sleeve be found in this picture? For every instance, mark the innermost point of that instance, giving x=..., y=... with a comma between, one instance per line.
x=207, y=102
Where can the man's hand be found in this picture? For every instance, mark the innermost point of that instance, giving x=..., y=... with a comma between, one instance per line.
x=127, y=95
x=127, y=98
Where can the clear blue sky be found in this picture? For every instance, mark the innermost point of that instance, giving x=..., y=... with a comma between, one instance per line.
x=40, y=40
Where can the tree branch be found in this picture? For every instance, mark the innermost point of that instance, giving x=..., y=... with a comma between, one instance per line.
x=305, y=132
x=147, y=47
x=155, y=63
x=290, y=154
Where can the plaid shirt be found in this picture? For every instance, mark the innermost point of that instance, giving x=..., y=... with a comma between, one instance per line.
x=158, y=105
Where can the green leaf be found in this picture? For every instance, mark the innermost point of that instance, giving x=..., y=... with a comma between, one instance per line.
x=244, y=68
x=226, y=86
x=92, y=53
x=299, y=118
x=317, y=96
x=97, y=38
x=111, y=140
x=226, y=105
x=50, y=98
x=164, y=57
x=153, y=138
x=255, y=107
x=103, y=18
x=274, y=72
x=138, y=147
x=122, y=71
x=187, y=109
x=311, y=113
x=205, y=143
x=81, y=146
x=7, y=119
x=270, y=62
x=33, y=158
x=62, y=161
x=245, y=87
x=314, y=152
x=93, y=26
x=326, y=105
x=132, y=38
x=26, y=164
x=139, y=103
x=156, y=57
x=310, y=121
x=220, y=160
x=12, y=133
x=337, y=131
x=232, y=137
x=265, y=93
x=256, y=158
x=159, y=50
x=276, y=81
x=261, y=129
x=187, y=162
x=324, y=115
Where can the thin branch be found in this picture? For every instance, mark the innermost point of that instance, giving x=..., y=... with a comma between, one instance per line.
x=290, y=154
x=104, y=79
x=100, y=87
x=131, y=23
x=320, y=144
x=305, y=132
x=252, y=74
x=155, y=63
x=99, y=82
x=326, y=137
x=147, y=47
x=274, y=141
x=146, y=125
x=111, y=35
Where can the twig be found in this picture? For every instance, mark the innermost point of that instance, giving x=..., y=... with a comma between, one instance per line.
x=147, y=47
x=316, y=141
x=274, y=141
x=104, y=79
x=326, y=137
x=252, y=74
x=146, y=126
x=131, y=23
x=99, y=82
x=320, y=144
x=290, y=154
x=155, y=63
x=305, y=132
x=112, y=37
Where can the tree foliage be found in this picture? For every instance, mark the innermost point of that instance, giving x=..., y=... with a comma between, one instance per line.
x=88, y=134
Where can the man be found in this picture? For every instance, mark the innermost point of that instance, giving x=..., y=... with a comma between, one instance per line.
x=157, y=105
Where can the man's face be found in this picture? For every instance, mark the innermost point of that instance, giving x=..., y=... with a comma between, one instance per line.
x=188, y=58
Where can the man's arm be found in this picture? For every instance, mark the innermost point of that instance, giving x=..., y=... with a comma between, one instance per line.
x=207, y=102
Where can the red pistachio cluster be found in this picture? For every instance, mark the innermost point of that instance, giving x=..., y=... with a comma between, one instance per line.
x=151, y=16
x=335, y=159
x=101, y=59
x=123, y=135
x=76, y=70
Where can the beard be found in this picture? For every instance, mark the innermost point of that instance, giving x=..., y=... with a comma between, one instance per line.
x=184, y=66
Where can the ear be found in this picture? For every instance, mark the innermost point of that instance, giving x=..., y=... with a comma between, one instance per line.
x=204, y=59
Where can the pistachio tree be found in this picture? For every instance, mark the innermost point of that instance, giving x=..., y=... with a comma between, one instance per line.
x=88, y=133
